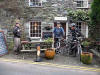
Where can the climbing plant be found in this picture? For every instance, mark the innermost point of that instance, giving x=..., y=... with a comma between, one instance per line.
x=79, y=15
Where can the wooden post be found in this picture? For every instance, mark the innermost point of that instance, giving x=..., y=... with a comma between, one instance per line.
x=38, y=58
x=38, y=50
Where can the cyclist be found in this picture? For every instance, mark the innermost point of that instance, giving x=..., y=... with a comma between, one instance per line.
x=58, y=34
x=75, y=34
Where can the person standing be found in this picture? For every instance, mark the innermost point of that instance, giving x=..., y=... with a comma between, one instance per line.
x=17, y=36
x=58, y=33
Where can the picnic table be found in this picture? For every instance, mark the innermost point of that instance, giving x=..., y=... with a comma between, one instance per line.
x=31, y=45
x=34, y=46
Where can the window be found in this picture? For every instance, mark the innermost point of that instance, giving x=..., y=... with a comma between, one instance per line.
x=35, y=29
x=79, y=26
x=82, y=3
x=35, y=3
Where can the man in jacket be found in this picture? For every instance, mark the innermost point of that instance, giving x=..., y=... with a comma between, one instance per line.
x=17, y=36
x=58, y=33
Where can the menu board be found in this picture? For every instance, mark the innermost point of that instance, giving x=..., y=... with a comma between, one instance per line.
x=3, y=45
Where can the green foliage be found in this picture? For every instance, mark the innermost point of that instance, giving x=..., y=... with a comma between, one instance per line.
x=95, y=11
x=86, y=43
x=95, y=19
x=49, y=40
x=10, y=45
x=79, y=15
x=1, y=0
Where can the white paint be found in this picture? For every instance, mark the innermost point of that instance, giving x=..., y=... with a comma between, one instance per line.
x=87, y=31
x=84, y=30
x=61, y=18
x=66, y=30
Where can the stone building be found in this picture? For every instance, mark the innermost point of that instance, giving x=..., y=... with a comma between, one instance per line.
x=37, y=15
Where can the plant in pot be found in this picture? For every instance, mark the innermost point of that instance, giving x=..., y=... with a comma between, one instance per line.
x=86, y=57
x=49, y=52
x=86, y=45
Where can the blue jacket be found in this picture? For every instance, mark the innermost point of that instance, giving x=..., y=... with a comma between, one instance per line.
x=58, y=32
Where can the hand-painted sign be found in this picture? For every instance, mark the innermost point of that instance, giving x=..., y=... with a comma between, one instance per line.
x=3, y=45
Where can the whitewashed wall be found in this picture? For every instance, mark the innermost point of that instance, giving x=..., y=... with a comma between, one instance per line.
x=84, y=30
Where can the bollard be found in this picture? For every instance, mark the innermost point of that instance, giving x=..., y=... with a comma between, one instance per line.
x=38, y=58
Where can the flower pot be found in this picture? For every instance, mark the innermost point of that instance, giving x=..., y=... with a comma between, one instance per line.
x=50, y=53
x=86, y=57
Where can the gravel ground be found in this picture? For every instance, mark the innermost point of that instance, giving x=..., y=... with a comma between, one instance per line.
x=58, y=59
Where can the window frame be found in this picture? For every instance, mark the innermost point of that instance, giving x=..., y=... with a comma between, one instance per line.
x=79, y=25
x=84, y=5
x=35, y=5
x=30, y=29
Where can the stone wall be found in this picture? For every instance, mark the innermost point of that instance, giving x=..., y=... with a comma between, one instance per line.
x=12, y=9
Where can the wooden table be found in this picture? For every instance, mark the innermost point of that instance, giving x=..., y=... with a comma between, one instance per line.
x=31, y=45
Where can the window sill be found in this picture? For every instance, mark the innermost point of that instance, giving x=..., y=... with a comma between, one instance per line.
x=36, y=6
x=82, y=7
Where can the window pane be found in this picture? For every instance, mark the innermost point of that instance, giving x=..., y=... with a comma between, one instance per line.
x=35, y=29
x=35, y=2
x=79, y=3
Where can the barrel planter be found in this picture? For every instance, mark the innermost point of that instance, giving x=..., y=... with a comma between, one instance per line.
x=86, y=57
x=49, y=53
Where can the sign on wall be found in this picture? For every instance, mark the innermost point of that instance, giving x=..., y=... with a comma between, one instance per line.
x=3, y=45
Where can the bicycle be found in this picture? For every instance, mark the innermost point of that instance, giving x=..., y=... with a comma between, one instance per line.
x=63, y=46
x=79, y=49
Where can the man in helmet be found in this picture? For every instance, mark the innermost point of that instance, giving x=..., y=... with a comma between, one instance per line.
x=74, y=31
x=75, y=34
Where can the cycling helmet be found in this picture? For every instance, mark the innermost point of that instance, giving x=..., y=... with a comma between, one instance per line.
x=73, y=24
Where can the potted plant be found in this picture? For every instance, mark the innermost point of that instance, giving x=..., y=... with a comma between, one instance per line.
x=86, y=45
x=49, y=52
x=86, y=57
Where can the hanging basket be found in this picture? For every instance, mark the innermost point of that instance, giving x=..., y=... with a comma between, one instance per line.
x=49, y=53
x=86, y=57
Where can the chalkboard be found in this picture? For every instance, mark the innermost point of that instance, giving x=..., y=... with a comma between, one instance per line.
x=3, y=45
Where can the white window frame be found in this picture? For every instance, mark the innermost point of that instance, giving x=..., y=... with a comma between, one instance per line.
x=35, y=5
x=85, y=4
x=30, y=28
x=79, y=24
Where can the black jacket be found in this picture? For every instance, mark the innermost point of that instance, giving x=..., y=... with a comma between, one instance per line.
x=17, y=32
